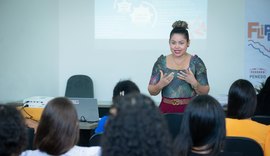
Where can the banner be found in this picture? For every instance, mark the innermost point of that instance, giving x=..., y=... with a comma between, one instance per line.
x=257, y=45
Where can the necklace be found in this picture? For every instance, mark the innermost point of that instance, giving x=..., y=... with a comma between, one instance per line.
x=201, y=150
x=182, y=61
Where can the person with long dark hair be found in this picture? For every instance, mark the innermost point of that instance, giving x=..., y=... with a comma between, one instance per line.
x=263, y=99
x=242, y=103
x=202, y=128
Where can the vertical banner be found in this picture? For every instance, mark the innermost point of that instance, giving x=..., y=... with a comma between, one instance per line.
x=257, y=45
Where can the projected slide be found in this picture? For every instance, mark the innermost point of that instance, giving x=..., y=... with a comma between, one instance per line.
x=148, y=19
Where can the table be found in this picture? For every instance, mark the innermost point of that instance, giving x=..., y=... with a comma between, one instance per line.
x=34, y=114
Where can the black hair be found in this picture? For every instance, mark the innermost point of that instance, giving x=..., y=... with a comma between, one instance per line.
x=203, y=124
x=138, y=129
x=125, y=87
x=13, y=134
x=242, y=100
x=263, y=99
x=180, y=27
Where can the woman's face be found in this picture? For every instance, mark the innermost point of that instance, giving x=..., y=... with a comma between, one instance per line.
x=178, y=44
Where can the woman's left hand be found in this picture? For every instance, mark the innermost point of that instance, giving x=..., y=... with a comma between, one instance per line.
x=187, y=76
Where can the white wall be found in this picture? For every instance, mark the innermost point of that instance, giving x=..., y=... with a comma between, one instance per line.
x=225, y=45
x=62, y=34
x=28, y=49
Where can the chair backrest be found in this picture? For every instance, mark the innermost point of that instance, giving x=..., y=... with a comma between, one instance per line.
x=246, y=146
x=31, y=135
x=173, y=122
x=95, y=139
x=80, y=86
x=261, y=119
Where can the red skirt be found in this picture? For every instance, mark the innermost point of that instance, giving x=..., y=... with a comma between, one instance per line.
x=173, y=105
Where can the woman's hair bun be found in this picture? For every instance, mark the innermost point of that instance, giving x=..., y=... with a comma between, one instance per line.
x=180, y=24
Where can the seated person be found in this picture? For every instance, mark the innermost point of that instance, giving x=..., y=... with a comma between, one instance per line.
x=122, y=88
x=13, y=134
x=58, y=131
x=241, y=107
x=263, y=99
x=138, y=129
x=202, y=131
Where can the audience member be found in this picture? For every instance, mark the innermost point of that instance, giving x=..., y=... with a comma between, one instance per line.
x=241, y=107
x=202, y=131
x=13, y=134
x=58, y=131
x=121, y=88
x=263, y=99
x=138, y=129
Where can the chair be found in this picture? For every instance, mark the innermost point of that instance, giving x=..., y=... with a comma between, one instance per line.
x=246, y=146
x=30, y=135
x=80, y=86
x=95, y=139
x=261, y=119
x=85, y=134
x=173, y=122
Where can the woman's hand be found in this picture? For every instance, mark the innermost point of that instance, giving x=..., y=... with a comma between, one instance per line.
x=187, y=76
x=165, y=79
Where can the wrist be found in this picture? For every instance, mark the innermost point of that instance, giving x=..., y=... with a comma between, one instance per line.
x=159, y=86
x=195, y=85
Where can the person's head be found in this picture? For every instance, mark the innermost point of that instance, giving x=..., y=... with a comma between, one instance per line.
x=58, y=130
x=122, y=88
x=266, y=87
x=263, y=99
x=179, y=38
x=137, y=129
x=13, y=134
x=202, y=126
x=242, y=100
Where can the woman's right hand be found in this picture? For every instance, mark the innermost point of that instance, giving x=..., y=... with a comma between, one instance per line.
x=165, y=79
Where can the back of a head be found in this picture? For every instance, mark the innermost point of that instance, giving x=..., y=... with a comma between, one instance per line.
x=203, y=124
x=266, y=87
x=125, y=87
x=242, y=100
x=58, y=130
x=138, y=129
x=265, y=91
x=263, y=97
x=13, y=136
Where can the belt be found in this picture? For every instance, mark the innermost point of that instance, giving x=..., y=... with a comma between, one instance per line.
x=176, y=101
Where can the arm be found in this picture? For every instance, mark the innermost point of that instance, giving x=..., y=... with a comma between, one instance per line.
x=200, y=89
x=189, y=77
x=154, y=89
x=198, y=81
